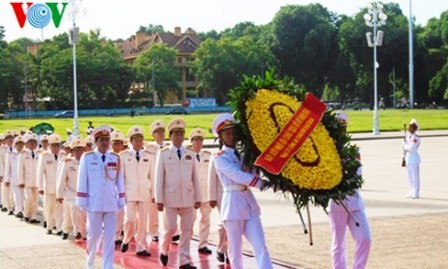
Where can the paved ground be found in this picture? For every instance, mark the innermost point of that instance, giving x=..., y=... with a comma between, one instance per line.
x=406, y=233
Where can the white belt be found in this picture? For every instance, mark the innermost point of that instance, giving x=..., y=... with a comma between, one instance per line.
x=236, y=188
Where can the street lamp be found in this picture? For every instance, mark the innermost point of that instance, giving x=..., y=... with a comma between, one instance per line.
x=411, y=57
x=375, y=18
x=73, y=40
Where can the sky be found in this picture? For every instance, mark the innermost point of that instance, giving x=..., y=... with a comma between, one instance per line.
x=121, y=19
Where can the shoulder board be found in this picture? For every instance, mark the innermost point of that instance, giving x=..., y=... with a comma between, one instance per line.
x=190, y=149
x=148, y=151
x=219, y=153
x=150, y=146
x=164, y=149
x=123, y=152
x=207, y=152
x=46, y=153
x=67, y=159
x=88, y=152
x=113, y=153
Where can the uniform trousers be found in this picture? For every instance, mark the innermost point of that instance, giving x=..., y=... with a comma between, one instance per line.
x=170, y=226
x=253, y=231
x=153, y=220
x=222, y=236
x=18, y=196
x=74, y=218
x=119, y=229
x=413, y=171
x=135, y=223
x=31, y=202
x=339, y=220
x=7, y=197
x=53, y=212
x=204, y=224
x=97, y=231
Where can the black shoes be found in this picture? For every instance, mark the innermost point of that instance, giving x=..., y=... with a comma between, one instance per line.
x=143, y=253
x=45, y=224
x=19, y=215
x=118, y=242
x=64, y=236
x=124, y=247
x=205, y=251
x=175, y=238
x=34, y=221
x=220, y=256
x=155, y=239
x=49, y=232
x=78, y=236
x=4, y=209
x=26, y=219
x=187, y=266
x=11, y=213
x=164, y=259
x=59, y=233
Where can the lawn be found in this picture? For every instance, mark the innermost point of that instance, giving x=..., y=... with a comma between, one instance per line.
x=360, y=121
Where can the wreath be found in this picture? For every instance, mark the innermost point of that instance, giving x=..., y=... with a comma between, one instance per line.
x=324, y=167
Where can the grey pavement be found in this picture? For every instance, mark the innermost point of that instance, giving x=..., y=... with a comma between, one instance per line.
x=27, y=246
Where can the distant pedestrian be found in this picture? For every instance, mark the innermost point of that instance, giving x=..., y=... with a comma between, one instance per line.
x=90, y=128
x=412, y=158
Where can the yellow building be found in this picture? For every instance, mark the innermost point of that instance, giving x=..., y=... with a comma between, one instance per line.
x=185, y=44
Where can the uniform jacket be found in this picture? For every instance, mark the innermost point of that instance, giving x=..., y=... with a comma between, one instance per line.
x=3, y=154
x=236, y=205
x=154, y=148
x=410, y=147
x=177, y=180
x=100, y=186
x=28, y=168
x=203, y=163
x=137, y=174
x=47, y=168
x=12, y=168
x=67, y=179
x=214, y=190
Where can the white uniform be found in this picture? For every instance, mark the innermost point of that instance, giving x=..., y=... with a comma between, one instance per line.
x=28, y=175
x=66, y=187
x=205, y=209
x=412, y=158
x=240, y=211
x=153, y=216
x=7, y=197
x=47, y=168
x=215, y=191
x=177, y=187
x=12, y=177
x=100, y=192
x=137, y=183
x=339, y=221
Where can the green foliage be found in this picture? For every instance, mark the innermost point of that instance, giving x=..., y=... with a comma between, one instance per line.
x=302, y=197
x=156, y=69
x=151, y=29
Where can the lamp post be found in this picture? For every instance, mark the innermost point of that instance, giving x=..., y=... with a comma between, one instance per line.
x=375, y=18
x=73, y=40
x=411, y=58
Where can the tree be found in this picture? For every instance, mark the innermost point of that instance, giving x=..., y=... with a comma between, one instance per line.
x=220, y=65
x=157, y=67
x=2, y=36
x=151, y=29
x=305, y=44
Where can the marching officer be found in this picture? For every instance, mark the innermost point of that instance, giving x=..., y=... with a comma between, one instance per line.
x=157, y=130
x=100, y=193
x=2, y=143
x=90, y=144
x=214, y=194
x=7, y=197
x=349, y=213
x=117, y=139
x=410, y=147
x=196, y=138
x=47, y=168
x=43, y=141
x=12, y=176
x=177, y=192
x=240, y=211
x=28, y=176
x=74, y=217
x=137, y=182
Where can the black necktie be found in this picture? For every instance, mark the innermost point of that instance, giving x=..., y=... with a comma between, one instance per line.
x=198, y=157
x=32, y=154
x=179, y=154
x=10, y=149
x=237, y=154
x=55, y=157
x=103, y=158
x=137, y=156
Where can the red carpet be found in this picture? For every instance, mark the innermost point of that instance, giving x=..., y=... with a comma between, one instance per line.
x=131, y=261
